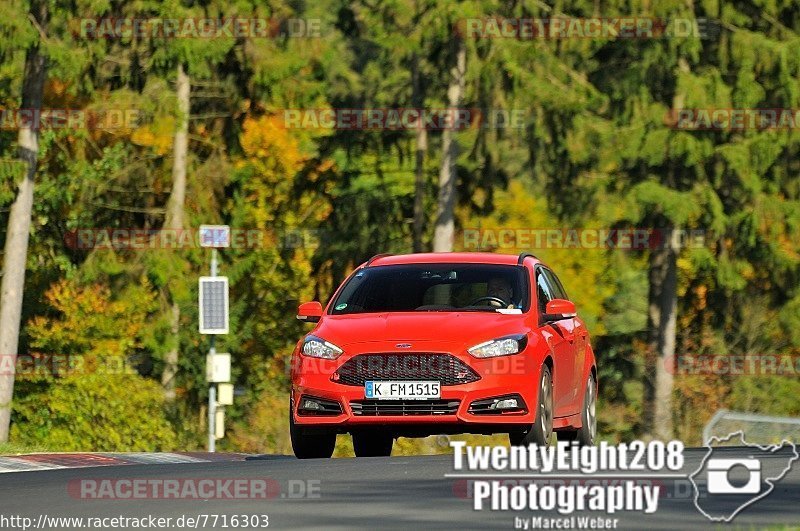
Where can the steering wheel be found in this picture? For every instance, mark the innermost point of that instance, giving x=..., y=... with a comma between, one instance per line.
x=502, y=303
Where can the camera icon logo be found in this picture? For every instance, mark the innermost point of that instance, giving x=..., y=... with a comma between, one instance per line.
x=719, y=481
x=735, y=474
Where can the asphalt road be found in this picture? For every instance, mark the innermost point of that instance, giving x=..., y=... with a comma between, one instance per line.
x=368, y=493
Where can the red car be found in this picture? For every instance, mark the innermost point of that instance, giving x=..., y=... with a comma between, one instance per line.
x=423, y=344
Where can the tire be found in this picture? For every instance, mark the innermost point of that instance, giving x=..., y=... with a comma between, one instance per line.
x=372, y=444
x=310, y=443
x=566, y=435
x=541, y=431
x=586, y=434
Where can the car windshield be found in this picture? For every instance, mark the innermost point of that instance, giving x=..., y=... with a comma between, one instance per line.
x=434, y=287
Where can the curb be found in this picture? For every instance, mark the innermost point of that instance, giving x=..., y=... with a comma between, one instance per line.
x=54, y=461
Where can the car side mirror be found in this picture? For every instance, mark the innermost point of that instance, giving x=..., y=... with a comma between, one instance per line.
x=309, y=312
x=559, y=309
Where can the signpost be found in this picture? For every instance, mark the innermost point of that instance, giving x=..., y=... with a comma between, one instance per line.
x=213, y=303
x=218, y=368
x=215, y=236
x=225, y=394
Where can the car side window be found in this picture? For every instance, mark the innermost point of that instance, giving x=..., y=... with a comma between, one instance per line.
x=558, y=290
x=544, y=293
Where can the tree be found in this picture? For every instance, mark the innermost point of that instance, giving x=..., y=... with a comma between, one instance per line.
x=663, y=302
x=420, y=148
x=88, y=396
x=174, y=216
x=444, y=230
x=19, y=221
x=718, y=181
x=190, y=59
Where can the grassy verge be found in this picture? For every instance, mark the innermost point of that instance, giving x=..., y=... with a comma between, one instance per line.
x=16, y=449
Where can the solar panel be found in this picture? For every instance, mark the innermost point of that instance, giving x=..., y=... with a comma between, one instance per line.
x=213, y=305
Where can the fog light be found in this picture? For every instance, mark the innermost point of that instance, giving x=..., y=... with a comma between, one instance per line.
x=499, y=405
x=506, y=403
x=310, y=405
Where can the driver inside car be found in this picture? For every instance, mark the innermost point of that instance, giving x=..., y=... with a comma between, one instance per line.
x=500, y=288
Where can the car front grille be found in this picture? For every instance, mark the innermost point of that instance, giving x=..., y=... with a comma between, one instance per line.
x=403, y=408
x=443, y=368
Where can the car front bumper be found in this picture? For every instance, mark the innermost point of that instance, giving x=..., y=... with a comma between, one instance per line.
x=517, y=374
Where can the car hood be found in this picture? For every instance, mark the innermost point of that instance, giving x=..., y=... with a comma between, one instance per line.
x=445, y=327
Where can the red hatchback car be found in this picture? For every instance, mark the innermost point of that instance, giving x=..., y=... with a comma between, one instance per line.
x=423, y=344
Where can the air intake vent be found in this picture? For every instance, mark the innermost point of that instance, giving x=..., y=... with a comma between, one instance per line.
x=403, y=408
x=444, y=368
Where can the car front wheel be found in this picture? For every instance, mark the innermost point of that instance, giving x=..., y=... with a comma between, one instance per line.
x=585, y=435
x=541, y=431
x=308, y=443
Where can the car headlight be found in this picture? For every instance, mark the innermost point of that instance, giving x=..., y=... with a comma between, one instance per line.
x=499, y=347
x=316, y=347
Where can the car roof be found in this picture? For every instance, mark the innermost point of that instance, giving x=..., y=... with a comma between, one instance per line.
x=447, y=258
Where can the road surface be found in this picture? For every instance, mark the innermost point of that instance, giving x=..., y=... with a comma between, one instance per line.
x=368, y=493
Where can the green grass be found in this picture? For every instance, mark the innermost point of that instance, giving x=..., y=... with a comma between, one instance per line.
x=16, y=449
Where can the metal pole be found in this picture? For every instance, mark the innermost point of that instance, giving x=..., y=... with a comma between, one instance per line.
x=212, y=388
x=745, y=417
x=212, y=417
x=711, y=423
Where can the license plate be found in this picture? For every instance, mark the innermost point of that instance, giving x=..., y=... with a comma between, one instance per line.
x=391, y=390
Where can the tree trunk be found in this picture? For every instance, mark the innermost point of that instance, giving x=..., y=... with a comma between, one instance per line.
x=174, y=214
x=19, y=221
x=445, y=215
x=666, y=347
x=174, y=220
x=418, y=98
x=661, y=323
x=662, y=313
